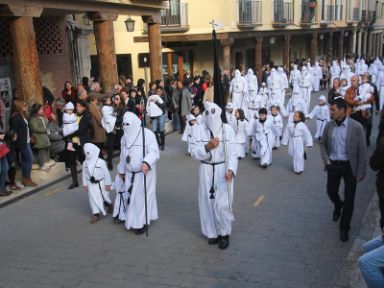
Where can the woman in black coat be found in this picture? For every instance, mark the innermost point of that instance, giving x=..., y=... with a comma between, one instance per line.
x=78, y=139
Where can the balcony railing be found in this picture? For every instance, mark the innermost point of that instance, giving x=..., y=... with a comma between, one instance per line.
x=354, y=14
x=308, y=12
x=282, y=13
x=328, y=14
x=176, y=17
x=371, y=16
x=249, y=13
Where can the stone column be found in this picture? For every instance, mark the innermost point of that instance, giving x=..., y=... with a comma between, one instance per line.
x=259, y=57
x=180, y=64
x=286, y=50
x=169, y=64
x=227, y=53
x=359, y=40
x=341, y=45
x=83, y=51
x=105, y=46
x=365, y=42
x=352, y=43
x=380, y=45
x=330, y=46
x=26, y=60
x=313, y=47
x=155, y=54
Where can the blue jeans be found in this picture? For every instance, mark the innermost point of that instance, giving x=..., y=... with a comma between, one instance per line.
x=372, y=263
x=176, y=121
x=26, y=161
x=158, y=123
x=4, y=172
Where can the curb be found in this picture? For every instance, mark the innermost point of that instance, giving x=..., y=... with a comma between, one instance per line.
x=350, y=276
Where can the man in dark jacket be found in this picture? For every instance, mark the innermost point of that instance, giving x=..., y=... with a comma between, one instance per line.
x=377, y=164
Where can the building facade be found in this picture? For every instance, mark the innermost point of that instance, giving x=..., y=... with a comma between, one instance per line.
x=44, y=44
x=255, y=32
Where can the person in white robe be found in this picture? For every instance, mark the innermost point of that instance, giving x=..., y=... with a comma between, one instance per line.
x=241, y=131
x=363, y=68
x=216, y=151
x=108, y=119
x=264, y=93
x=373, y=70
x=252, y=83
x=321, y=113
x=238, y=89
x=278, y=122
x=121, y=200
x=275, y=85
x=334, y=71
x=343, y=86
x=97, y=182
x=347, y=74
x=317, y=75
x=297, y=136
x=230, y=114
x=306, y=86
x=294, y=77
x=380, y=85
x=284, y=84
x=295, y=103
x=134, y=164
x=265, y=133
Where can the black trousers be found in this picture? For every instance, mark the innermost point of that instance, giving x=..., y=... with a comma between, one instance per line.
x=336, y=172
x=380, y=194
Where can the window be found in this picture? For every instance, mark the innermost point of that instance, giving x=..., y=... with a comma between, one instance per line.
x=339, y=7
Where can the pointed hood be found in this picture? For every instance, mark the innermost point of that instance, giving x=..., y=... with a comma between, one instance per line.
x=213, y=117
x=131, y=127
x=92, y=153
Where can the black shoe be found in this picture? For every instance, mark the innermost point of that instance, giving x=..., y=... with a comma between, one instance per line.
x=305, y=155
x=73, y=185
x=213, y=241
x=264, y=166
x=337, y=212
x=110, y=167
x=344, y=235
x=140, y=231
x=274, y=148
x=224, y=242
x=162, y=147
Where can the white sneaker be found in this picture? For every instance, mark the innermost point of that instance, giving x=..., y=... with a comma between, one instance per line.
x=35, y=167
x=45, y=168
x=50, y=163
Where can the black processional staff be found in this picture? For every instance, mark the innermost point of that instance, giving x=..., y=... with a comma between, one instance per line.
x=142, y=104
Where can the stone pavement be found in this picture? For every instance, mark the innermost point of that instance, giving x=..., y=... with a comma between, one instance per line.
x=283, y=235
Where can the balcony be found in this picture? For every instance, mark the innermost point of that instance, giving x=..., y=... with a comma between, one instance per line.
x=328, y=15
x=175, y=18
x=354, y=15
x=282, y=13
x=308, y=13
x=249, y=13
x=371, y=16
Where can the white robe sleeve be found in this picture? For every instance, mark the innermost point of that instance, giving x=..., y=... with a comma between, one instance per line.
x=121, y=165
x=308, y=140
x=85, y=175
x=198, y=151
x=231, y=149
x=152, y=153
x=107, y=176
x=314, y=112
x=328, y=116
x=285, y=138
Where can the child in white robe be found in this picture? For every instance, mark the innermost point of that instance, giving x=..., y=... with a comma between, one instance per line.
x=296, y=103
x=365, y=93
x=321, y=112
x=121, y=200
x=109, y=116
x=241, y=133
x=191, y=121
x=97, y=182
x=264, y=94
x=278, y=122
x=70, y=124
x=296, y=135
x=265, y=133
x=343, y=87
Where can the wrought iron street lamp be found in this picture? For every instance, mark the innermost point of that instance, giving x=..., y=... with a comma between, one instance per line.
x=130, y=24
